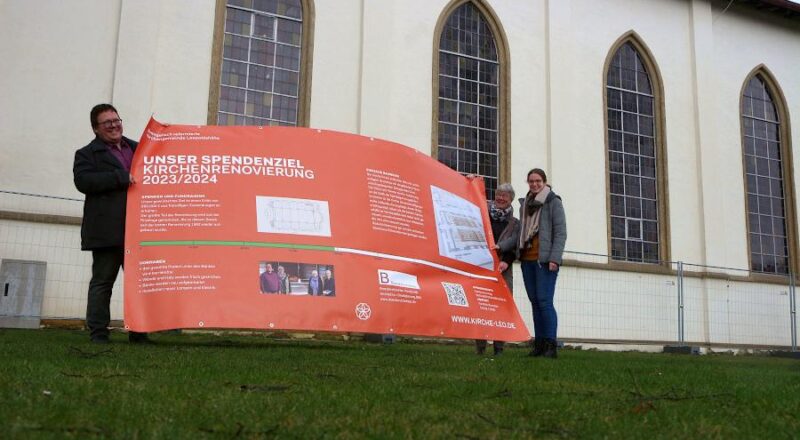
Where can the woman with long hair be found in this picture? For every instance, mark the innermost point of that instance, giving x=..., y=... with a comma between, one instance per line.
x=543, y=233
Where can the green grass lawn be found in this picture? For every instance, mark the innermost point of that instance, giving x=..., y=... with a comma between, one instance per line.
x=54, y=384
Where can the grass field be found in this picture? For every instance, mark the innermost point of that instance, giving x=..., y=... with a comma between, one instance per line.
x=54, y=384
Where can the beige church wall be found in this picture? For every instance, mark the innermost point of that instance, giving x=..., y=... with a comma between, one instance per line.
x=164, y=62
x=58, y=61
x=744, y=40
x=336, y=68
x=580, y=45
x=398, y=47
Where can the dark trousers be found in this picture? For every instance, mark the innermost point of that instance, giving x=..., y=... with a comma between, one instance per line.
x=540, y=284
x=480, y=345
x=106, y=263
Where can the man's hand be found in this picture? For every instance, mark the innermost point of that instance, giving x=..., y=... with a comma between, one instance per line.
x=131, y=178
x=502, y=266
x=553, y=267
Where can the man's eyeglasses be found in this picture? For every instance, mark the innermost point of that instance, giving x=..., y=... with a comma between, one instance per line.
x=110, y=123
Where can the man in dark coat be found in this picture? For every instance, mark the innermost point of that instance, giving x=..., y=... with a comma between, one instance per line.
x=328, y=284
x=102, y=172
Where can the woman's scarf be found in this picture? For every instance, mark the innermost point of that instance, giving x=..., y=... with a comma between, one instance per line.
x=530, y=219
x=499, y=215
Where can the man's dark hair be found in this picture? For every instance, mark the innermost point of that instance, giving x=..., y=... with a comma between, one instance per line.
x=100, y=108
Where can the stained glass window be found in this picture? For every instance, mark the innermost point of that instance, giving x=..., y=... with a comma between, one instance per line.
x=632, y=159
x=763, y=162
x=260, y=75
x=468, y=96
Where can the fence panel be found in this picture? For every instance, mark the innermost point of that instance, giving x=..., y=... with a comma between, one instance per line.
x=58, y=245
x=720, y=311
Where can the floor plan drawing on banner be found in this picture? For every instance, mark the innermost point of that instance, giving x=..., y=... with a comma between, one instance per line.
x=283, y=215
x=459, y=228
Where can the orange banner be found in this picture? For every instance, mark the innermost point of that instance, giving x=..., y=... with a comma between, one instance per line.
x=303, y=229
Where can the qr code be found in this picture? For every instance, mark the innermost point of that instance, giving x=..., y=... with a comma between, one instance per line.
x=455, y=294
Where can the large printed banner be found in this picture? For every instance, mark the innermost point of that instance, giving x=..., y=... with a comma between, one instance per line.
x=302, y=229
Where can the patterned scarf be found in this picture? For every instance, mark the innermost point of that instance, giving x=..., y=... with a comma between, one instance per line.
x=497, y=214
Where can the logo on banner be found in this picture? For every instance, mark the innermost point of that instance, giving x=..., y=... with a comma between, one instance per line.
x=455, y=294
x=399, y=279
x=363, y=312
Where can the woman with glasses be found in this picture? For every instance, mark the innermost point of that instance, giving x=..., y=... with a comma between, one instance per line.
x=543, y=234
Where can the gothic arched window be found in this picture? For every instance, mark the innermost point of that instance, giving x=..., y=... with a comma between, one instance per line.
x=260, y=77
x=636, y=195
x=765, y=179
x=469, y=129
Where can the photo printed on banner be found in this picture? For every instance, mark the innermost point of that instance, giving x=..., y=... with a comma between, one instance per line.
x=459, y=228
x=297, y=279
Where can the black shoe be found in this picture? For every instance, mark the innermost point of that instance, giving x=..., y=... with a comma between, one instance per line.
x=138, y=338
x=538, y=348
x=550, y=349
x=100, y=339
x=498, y=351
x=480, y=347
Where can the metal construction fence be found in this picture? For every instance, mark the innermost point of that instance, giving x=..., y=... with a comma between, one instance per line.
x=686, y=304
x=680, y=304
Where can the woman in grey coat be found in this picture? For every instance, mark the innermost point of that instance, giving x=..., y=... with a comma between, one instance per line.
x=543, y=234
